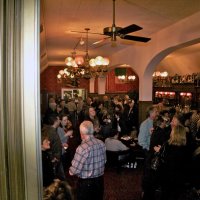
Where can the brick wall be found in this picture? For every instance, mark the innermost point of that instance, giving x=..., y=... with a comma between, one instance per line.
x=49, y=82
x=112, y=86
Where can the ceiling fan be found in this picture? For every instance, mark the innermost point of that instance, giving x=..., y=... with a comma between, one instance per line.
x=114, y=31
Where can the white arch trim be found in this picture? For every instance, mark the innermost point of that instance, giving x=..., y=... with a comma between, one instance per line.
x=144, y=58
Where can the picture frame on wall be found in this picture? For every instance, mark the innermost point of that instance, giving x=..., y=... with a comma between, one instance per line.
x=67, y=93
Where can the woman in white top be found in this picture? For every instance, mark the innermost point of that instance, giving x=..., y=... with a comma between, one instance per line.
x=65, y=132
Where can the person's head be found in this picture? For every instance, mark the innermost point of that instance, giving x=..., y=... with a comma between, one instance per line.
x=45, y=143
x=177, y=119
x=62, y=103
x=131, y=103
x=178, y=136
x=187, y=119
x=105, y=98
x=126, y=97
x=114, y=133
x=152, y=112
x=75, y=96
x=160, y=122
x=174, y=121
x=118, y=114
x=86, y=129
x=91, y=112
x=118, y=107
x=89, y=100
x=58, y=190
x=52, y=100
x=54, y=121
x=58, y=108
x=104, y=111
x=100, y=105
x=64, y=119
x=172, y=112
x=164, y=113
x=80, y=98
x=52, y=105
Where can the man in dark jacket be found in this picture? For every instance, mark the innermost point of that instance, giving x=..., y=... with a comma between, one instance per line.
x=55, y=146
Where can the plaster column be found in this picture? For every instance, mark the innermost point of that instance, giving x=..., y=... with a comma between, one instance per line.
x=101, y=85
x=92, y=83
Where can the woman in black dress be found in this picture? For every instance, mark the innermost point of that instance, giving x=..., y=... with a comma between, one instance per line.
x=173, y=171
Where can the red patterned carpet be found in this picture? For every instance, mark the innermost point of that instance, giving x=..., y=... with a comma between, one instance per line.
x=123, y=186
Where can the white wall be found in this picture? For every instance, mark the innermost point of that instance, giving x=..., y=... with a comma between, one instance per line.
x=145, y=59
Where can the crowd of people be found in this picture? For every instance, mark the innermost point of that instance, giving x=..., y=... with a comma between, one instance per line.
x=174, y=135
x=77, y=133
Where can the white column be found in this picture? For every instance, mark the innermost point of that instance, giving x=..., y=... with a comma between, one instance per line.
x=101, y=85
x=92, y=82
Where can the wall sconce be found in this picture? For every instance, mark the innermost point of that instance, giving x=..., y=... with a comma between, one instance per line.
x=122, y=77
x=188, y=94
x=131, y=78
x=161, y=74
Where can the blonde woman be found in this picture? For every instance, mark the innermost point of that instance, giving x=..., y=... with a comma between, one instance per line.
x=173, y=171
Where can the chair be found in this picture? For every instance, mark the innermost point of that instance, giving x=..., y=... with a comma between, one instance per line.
x=115, y=159
x=139, y=154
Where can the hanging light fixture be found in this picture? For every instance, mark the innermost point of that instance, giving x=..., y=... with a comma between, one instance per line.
x=83, y=67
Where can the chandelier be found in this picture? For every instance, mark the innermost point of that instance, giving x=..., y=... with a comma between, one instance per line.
x=83, y=67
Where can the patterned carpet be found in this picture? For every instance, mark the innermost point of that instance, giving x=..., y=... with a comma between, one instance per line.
x=125, y=185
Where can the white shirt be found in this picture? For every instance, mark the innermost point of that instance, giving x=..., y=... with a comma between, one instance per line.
x=115, y=145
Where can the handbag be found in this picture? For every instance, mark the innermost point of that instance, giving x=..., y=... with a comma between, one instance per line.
x=190, y=194
x=155, y=162
x=158, y=158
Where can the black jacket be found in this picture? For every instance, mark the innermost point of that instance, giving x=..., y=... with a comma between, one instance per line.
x=47, y=169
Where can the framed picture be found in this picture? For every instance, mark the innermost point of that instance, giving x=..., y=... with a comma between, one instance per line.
x=67, y=93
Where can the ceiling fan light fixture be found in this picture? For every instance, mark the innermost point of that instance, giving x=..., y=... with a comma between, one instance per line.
x=59, y=76
x=79, y=60
x=83, y=66
x=92, y=62
x=98, y=60
x=61, y=72
x=106, y=61
x=74, y=64
x=82, y=42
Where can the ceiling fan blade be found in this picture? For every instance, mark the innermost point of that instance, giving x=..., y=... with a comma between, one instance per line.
x=100, y=45
x=86, y=32
x=100, y=41
x=129, y=29
x=135, y=38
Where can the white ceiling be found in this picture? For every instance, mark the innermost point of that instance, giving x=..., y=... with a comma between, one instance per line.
x=60, y=17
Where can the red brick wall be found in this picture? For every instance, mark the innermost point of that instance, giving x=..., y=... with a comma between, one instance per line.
x=113, y=87
x=49, y=83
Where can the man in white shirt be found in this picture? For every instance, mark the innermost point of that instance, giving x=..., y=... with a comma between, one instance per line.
x=113, y=144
